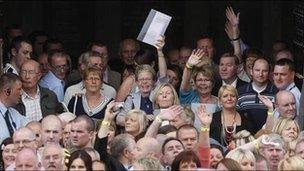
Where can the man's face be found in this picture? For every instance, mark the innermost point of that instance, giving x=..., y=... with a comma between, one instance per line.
x=59, y=66
x=44, y=64
x=128, y=52
x=207, y=46
x=100, y=49
x=23, y=139
x=23, y=54
x=51, y=132
x=37, y=130
x=38, y=45
x=15, y=93
x=173, y=56
x=80, y=136
x=273, y=155
x=30, y=75
x=27, y=162
x=184, y=55
x=286, y=105
x=98, y=62
x=260, y=72
x=227, y=68
x=172, y=149
x=52, y=159
x=188, y=137
x=282, y=76
x=140, y=150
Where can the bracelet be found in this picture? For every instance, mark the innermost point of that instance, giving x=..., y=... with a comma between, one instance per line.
x=188, y=66
x=158, y=119
x=105, y=123
x=238, y=38
x=205, y=129
x=269, y=113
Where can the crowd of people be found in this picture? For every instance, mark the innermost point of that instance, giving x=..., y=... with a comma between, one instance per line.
x=149, y=110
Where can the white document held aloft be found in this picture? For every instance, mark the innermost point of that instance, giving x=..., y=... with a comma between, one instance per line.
x=154, y=27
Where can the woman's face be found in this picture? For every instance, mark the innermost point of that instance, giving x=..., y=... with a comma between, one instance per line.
x=246, y=164
x=222, y=167
x=203, y=84
x=290, y=133
x=173, y=78
x=228, y=99
x=145, y=82
x=215, y=157
x=93, y=82
x=132, y=124
x=165, y=97
x=78, y=165
x=185, y=166
x=9, y=154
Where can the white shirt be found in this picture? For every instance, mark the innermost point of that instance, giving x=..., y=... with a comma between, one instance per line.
x=16, y=119
x=32, y=106
x=297, y=94
x=232, y=84
x=10, y=66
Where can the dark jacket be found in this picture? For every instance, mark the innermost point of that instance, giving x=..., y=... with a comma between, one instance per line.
x=48, y=102
x=218, y=85
x=110, y=162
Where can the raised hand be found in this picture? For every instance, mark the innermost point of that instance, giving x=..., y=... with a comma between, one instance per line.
x=109, y=113
x=150, y=117
x=204, y=117
x=171, y=113
x=233, y=19
x=195, y=57
x=267, y=102
x=160, y=43
x=231, y=33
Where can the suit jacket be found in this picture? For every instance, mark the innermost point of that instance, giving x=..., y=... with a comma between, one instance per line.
x=111, y=162
x=48, y=102
x=218, y=85
x=114, y=79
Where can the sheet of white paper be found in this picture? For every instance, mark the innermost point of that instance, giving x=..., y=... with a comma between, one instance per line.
x=154, y=27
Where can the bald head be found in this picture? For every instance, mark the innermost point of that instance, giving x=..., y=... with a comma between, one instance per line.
x=147, y=146
x=51, y=129
x=284, y=54
x=286, y=104
x=25, y=138
x=30, y=74
x=27, y=159
x=35, y=126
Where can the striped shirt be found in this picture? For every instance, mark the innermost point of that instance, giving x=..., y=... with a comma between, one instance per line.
x=32, y=106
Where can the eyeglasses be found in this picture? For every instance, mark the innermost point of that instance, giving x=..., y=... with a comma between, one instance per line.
x=23, y=141
x=203, y=80
x=144, y=79
x=93, y=79
x=30, y=72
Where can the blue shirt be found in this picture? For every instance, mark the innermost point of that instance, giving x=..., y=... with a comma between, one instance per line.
x=17, y=120
x=188, y=97
x=146, y=105
x=53, y=83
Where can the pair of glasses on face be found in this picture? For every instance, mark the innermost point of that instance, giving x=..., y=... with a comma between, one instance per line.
x=61, y=67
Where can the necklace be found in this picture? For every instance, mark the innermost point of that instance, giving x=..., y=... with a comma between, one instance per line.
x=228, y=134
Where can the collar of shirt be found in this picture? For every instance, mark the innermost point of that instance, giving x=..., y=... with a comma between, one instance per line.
x=233, y=83
x=290, y=87
x=105, y=75
x=52, y=76
x=8, y=65
x=26, y=96
x=3, y=108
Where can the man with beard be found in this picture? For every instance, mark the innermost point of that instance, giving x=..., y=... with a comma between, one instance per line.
x=53, y=157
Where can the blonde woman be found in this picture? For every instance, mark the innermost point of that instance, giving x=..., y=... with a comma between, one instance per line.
x=287, y=128
x=165, y=96
x=244, y=157
x=136, y=123
x=241, y=138
x=228, y=121
x=291, y=163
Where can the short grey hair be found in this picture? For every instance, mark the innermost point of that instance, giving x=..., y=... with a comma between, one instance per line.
x=120, y=143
